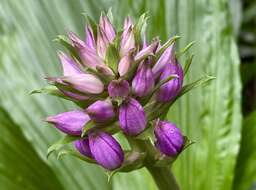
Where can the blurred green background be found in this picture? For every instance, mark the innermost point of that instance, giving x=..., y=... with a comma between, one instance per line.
x=220, y=117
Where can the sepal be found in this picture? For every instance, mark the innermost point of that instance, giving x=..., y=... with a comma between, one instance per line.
x=133, y=160
x=90, y=21
x=188, y=63
x=138, y=28
x=75, y=154
x=112, y=57
x=184, y=50
x=59, y=144
x=204, y=80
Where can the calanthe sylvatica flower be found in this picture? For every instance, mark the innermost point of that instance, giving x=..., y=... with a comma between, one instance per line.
x=123, y=84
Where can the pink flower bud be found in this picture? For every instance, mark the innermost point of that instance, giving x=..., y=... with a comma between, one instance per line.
x=88, y=55
x=107, y=28
x=86, y=83
x=124, y=64
x=127, y=41
x=89, y=40
x=127, y=22
x=69, y=66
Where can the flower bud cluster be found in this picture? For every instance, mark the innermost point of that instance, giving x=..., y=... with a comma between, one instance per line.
x=113, y=76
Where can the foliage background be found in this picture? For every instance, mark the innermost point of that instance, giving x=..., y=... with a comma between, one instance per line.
x=224, y=154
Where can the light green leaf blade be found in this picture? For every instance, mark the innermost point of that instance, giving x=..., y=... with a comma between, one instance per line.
x=245, y=173
x=210, y=115
x=20, y=166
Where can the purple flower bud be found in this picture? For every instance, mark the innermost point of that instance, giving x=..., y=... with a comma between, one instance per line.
x=149, y=50
x=169, y=138
x=167, y=57
x=85, y=83
x=107, y=28
x=69, y=66
x=118, y=88
x=106, y=150
x=127, y=41
x=171, y=89
x=89, y=40
x=132, y=118
x=101, y=111
x=143, y=82
x=124, y=64
x=83, y=147
x=71, y=122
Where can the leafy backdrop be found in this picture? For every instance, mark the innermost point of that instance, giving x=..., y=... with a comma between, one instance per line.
x=209, y=115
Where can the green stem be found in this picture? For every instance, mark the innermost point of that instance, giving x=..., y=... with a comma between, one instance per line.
x=163, y=178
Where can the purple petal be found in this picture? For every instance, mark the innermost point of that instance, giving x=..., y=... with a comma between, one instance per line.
x=118, y=88
x=83, y=147
x=143, y=82
x=74, y=95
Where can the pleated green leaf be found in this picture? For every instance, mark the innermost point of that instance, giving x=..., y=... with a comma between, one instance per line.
x=209, y=115
x=20, y=166
x=245, y=173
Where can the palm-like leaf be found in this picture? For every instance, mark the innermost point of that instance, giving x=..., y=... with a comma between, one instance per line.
x=210, y=116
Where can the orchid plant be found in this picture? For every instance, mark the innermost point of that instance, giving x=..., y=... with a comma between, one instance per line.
x=124, y=85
